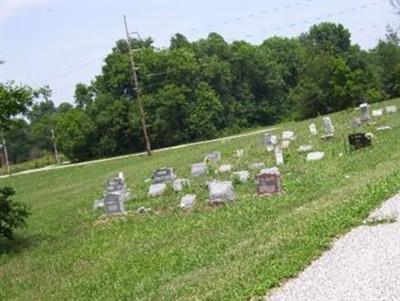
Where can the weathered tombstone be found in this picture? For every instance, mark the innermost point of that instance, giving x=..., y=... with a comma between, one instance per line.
x=377, y=113
x=304, y=148
x=359, y=140
x=268, y=182
x=391, y=109
x=288, y=135
x=113, y=203
x=329, y=130
x=278, y=156
x=180, y=184
x=157, y=189
x=364, y=109
x=163, y=175
x=315, y=156
x=213, y=157
x=285, y=144
x=242, y=176
x=239, y=153
x=356, y=122
x=313, y=129
x=220, y=192
x=114, y=185
x=270, y=141
x=257, y=165
x=199, y=169
x=225, y=168
x=187, y=202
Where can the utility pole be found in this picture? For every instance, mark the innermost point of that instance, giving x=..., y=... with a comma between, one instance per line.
x=3, y=141
x=53, y=137
x=137, y=89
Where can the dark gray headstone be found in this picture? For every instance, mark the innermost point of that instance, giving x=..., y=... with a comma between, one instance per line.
x=163, y=175
x=113, y=203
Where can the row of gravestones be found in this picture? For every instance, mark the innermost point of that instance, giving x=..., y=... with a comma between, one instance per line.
x=267, y=181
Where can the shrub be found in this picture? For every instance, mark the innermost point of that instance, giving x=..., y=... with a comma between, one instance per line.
x=12, y=214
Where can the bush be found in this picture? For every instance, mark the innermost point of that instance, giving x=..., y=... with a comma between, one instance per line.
x=12, y=214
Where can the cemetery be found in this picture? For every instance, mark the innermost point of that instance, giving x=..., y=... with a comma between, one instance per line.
x=223, y=214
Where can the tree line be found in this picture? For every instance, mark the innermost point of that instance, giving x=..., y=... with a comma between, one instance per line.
x=207, y=88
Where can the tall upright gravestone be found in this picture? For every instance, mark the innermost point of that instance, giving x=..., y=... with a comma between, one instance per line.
x=329, y=130
x=365, y=115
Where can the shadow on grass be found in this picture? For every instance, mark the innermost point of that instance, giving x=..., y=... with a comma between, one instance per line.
x=19, y=243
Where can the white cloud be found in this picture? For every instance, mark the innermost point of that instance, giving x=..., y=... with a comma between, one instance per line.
x=9, y=8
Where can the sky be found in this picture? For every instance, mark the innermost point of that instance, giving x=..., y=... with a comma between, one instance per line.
x=60, y=43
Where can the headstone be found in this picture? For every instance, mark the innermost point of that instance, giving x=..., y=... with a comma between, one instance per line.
x=365, y=116
x=268, y=182
x=117, y=186
x=199, y=169
x=304, y=148
x=239, y=153
x=225, y=168
x=270, y=170
x=356, y=122
x=187, y=201
x=315, y=156
x=220, y=192
x=213, y=157
x=163, y=175
x=391, y=109
x=384, y=128
x=313, y=129
x=359, y=140
x=377, y=113
x=257, y=165
x=180, y=184
x=157, y=189
x=270, y=141
x=285, y=144
x=113, y=203
x=329, y=130
x=242, y=176
x=278, y=156
x=288, y=135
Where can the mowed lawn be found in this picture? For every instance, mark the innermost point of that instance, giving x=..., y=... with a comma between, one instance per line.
x=232, y=252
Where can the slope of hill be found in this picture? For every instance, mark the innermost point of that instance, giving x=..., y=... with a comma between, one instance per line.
x=231, y=252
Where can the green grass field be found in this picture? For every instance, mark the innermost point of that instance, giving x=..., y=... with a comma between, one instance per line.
x=233, y=252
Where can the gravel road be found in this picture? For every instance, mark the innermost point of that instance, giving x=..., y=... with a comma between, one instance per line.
x=364, y=265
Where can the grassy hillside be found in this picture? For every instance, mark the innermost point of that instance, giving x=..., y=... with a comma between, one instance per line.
x=233, y=252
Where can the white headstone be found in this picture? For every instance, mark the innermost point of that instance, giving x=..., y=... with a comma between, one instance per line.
x=213, y=157
x=278, y=156
x=225, y=168
x=285, y=144
x=315, y=156
x=270, y=141
x=199, y=169
x=220, y=191
x=384, y=128
x=329, y=130
x=271, y=170
x=157, y=189
x=243, y=175
x=391, y=109
x=365, y=116
x=377, y=113
x=313, y=129
x=288, y=135
x=187, y=201
x=239, y=153
x=304, y=148
x=179, y=184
